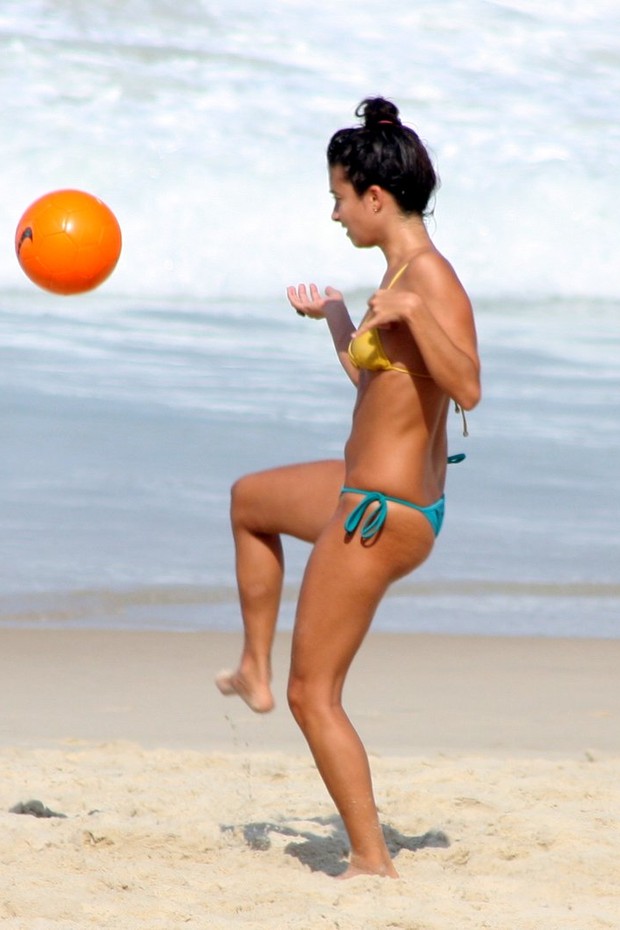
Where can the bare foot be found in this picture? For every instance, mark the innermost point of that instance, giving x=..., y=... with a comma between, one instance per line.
x=257, y=696
x=356, y=869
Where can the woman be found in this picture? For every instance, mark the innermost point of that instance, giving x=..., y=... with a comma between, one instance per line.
x=373, y=517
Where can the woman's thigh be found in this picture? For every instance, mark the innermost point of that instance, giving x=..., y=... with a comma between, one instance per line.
x=296, y=500
x=342, y=587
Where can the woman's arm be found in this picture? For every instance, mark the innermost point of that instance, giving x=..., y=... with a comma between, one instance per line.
x=432, y=303
x=331, y=308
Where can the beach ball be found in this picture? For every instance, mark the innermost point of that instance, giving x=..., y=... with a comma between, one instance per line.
x=68, y=242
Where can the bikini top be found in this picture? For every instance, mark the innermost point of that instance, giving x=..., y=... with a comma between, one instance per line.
x=367, y=352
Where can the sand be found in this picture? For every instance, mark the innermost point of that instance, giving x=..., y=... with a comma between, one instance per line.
x=496, y=765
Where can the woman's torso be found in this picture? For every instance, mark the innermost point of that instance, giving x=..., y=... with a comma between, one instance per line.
x=397, y=443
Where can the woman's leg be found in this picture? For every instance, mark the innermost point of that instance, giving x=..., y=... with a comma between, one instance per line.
x=296, y=500
x=343, y=584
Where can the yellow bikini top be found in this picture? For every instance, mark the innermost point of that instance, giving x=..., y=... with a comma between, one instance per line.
x=367, y=352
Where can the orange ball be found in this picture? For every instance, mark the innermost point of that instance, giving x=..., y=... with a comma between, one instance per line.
x=68, y=242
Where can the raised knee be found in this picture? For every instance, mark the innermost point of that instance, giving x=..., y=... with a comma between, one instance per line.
x=241, y=499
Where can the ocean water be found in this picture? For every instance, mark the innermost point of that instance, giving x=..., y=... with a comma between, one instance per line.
x=126, y=414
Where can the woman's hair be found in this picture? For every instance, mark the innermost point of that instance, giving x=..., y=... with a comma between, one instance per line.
x=383, y=151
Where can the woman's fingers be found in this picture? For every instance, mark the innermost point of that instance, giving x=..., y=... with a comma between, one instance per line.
x=307, y=300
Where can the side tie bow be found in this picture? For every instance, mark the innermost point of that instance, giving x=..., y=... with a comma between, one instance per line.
x=374, y=520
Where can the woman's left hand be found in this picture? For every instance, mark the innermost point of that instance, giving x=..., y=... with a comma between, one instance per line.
x=386, y=308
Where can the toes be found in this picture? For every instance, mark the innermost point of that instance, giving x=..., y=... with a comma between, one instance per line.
x=224, y=682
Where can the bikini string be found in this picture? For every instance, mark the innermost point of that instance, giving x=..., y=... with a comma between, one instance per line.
x=459, y=409
x=374, y=521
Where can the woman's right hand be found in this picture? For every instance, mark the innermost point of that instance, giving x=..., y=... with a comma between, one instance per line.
x=310, y=302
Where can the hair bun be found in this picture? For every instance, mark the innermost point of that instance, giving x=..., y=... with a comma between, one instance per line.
x=377, y=111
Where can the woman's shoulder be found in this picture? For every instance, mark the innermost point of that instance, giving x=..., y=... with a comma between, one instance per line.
x=430, y=272
x=429, y=262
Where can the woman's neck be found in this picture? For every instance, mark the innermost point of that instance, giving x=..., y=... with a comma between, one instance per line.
x=404, y=240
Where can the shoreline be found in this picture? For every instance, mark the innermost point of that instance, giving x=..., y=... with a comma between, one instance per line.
x=408, y=694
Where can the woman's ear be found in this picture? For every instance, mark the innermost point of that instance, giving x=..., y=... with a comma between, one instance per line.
x=376, y=198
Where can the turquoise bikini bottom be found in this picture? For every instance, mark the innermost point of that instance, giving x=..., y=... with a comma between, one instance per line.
x=434, y=513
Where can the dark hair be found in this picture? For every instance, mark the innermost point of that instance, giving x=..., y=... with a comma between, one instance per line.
x=383, y=151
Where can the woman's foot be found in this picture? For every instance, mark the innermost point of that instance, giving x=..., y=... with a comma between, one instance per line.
x=358, y=867
x=256, y=694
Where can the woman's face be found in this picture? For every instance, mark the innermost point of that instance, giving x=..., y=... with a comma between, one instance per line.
x=352, y=211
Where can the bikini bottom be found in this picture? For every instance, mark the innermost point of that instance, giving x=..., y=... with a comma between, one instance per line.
x=434, y=513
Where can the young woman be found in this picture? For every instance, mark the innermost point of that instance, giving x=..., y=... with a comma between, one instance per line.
x=373, y=517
